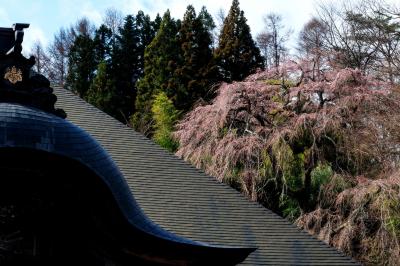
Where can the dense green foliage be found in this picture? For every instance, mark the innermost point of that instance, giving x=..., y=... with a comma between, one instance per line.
x=178, y=62
x=103, y=44
x=125, y=67
x=128, y=59
x=122, y=69
x=196, y=70
x=104, y=67
x=160, y=60
x=102, y=90
x=82, y=65
x=165, y=116
x=237, y=55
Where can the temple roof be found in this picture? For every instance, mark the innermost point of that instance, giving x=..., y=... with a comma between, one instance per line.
x=186, y=201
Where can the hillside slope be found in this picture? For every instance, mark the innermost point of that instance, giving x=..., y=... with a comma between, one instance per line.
x=324, y=153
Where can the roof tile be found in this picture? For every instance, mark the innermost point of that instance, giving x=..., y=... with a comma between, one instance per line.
x=186, y=201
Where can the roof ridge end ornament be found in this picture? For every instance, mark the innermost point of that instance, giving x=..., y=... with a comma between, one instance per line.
x=19, y=37
x=19, y=83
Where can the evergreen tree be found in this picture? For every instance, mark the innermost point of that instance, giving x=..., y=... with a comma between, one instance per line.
x=102, y=91
x=146, y=30
x=82, y=65
x=207, y=20
x=156, y=23
x=124, y=66
x=160, y=60
x=196, y=70
x=237, y=55
x=103, y=44
x=128, y=59
x=165, y=116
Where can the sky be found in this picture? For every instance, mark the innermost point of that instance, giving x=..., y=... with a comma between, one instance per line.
x=46, y=17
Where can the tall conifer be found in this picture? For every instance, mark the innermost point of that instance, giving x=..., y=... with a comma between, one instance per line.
x=237, y=55
x=102, y=93
x=82, y=65
x=160, y=61
x=196, y=70
x=103, y=44
x=146, y=30
x=124, y=67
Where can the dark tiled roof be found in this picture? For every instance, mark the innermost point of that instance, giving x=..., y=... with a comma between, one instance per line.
x=185, y=201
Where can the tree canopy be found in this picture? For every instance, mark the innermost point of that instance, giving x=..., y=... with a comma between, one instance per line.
x=237, y=55
x=160, y=60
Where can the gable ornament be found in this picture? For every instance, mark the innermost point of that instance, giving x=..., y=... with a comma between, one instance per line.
x=13, y=75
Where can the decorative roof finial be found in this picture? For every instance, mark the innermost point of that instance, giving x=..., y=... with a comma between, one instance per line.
x=18, y=82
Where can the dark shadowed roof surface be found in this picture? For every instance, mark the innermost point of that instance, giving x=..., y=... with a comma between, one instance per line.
x=185, y=201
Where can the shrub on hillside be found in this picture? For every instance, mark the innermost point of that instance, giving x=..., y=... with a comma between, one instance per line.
x=164, y=116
